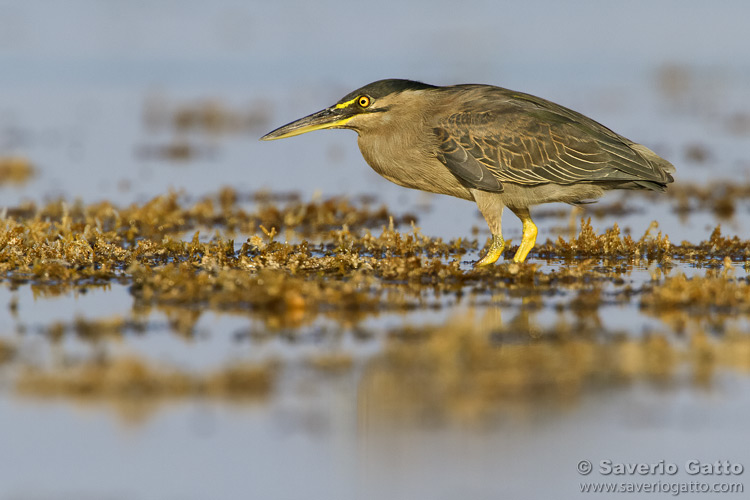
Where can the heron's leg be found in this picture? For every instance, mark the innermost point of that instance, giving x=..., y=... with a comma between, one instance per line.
x=529, y=234
x=494, y=251
x=491, y=207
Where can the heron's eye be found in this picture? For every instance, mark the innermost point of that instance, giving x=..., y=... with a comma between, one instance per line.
x=363, y=101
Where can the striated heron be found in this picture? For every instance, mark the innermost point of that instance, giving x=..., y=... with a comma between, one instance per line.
x=494, y=146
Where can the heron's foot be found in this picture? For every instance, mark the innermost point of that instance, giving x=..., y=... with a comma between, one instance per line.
x=494, y=251
x=528, y=241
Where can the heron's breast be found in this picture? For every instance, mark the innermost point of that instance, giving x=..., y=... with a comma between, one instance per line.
x=410, y=165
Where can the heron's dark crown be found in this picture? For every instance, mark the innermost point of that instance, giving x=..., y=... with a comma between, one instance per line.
x=382, y=88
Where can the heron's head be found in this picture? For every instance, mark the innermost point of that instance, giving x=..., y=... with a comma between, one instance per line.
x=368, y=107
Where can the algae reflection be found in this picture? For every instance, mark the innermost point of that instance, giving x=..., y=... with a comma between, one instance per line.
x=325, y=276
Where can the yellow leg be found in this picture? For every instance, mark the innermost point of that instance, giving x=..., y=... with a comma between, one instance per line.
x=493, y=252
x=529, y=237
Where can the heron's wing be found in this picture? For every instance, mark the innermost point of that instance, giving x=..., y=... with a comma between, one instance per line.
x=529, y=141
x=464, y=165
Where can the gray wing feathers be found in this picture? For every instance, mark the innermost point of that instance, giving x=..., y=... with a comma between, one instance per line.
x=522, y=141
x=464, y=165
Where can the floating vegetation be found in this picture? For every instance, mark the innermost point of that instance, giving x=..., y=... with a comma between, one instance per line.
x=470, y=371
x=720, y=198
x=136, y=388
x=714, y=299
x=346, y=267
x=178, y=151
x=211, y=116
x=327, y=266
x=15, y=170
x=7, y=351
x=132, y=376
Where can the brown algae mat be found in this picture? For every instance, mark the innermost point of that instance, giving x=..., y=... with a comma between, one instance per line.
x=286, y=264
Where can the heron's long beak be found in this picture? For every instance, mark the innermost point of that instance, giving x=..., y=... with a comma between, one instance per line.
x=332, y=117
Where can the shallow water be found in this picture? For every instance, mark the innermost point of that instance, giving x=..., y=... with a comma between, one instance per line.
x=481, y=391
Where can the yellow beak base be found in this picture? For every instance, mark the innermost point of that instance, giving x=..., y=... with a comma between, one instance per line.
x=327, y=118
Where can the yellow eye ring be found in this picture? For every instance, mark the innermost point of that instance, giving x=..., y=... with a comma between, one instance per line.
x=363, y=101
